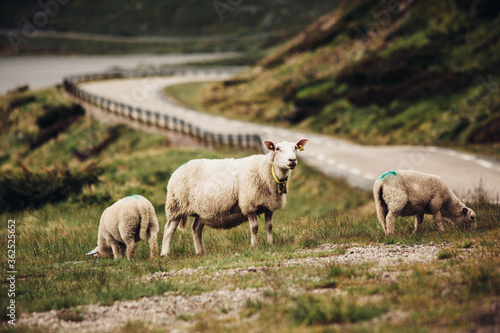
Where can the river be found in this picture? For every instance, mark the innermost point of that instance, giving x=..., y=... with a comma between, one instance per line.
x=42, y=71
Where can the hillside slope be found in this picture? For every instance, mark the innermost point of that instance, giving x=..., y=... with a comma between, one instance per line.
x=330, y=267
x=268, y=21
x=420, y=72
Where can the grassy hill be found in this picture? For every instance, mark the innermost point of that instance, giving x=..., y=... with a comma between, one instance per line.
x=421, y=72
x=58, y=221
x=56, y=226
x=233, y=21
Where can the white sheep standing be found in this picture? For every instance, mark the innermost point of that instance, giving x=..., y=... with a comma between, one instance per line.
x=123, y=224
x=224, y=193
x=412, y=193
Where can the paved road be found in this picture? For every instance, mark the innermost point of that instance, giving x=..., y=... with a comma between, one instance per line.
x=358, y=165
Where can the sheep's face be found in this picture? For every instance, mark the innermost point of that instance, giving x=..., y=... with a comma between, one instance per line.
x=285, y=153
x=100, y=253
x=467, y=219
x=94, y=252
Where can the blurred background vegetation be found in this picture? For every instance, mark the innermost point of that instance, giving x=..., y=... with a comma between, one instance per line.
x=423, y=72
x=383, y=72
x=236, y=25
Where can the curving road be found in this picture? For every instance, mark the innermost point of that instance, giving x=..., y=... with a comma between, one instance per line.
x=358, y=165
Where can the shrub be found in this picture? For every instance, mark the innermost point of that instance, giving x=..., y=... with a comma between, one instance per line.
x=55, y=120
x=31, y=190
x=54, y=114
x=20, y=101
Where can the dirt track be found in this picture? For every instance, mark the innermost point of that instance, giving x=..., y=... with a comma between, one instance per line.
x=173, y=311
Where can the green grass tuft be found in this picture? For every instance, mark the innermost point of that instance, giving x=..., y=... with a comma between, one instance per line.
x=445, y=254
x=309, y=310
x=484, y=280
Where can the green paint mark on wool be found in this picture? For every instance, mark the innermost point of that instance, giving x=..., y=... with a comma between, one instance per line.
x=135, y=196
x=387, y=174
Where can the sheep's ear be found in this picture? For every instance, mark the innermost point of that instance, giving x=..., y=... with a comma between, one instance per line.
x=301, y=144
x=465, y=210
x=270, y=145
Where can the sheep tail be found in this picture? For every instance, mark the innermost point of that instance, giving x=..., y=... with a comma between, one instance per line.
x=381, y=197
x=144, y=228
x=381, y=205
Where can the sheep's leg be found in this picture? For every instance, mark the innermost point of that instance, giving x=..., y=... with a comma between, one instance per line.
x=170, y=228
x=115, y=246
x=254, y=227
x=197, y=236
x=153, y=245
x=418, y=222
x=105, y=251
x=435, y=207
x=131, y=248
x=437, y=221
x=269, y=227
x=122, y=248
x=391, y=222
x=382, y=215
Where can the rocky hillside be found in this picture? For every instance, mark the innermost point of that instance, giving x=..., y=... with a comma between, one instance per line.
x=424, y=72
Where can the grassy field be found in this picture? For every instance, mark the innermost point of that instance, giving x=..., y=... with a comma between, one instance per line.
x=457, y=290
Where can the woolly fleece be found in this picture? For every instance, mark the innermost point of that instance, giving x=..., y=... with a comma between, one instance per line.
x=412, y=193
x=125, y=223
x=225, y=193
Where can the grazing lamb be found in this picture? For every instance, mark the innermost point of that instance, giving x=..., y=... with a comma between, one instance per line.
x=412, y=193
x=123, y=224
x=223, y=194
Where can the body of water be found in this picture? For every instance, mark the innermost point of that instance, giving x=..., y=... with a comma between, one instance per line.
x=42, y=71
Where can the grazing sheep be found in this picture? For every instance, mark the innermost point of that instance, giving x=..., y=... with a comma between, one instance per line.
x=412, y=193
x=125, y=223
x=223, y=194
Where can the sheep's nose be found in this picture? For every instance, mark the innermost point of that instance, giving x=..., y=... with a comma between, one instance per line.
x=292, y=160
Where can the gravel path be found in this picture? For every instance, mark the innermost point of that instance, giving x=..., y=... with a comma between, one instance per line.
x=157, y=311
x=225, y=304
